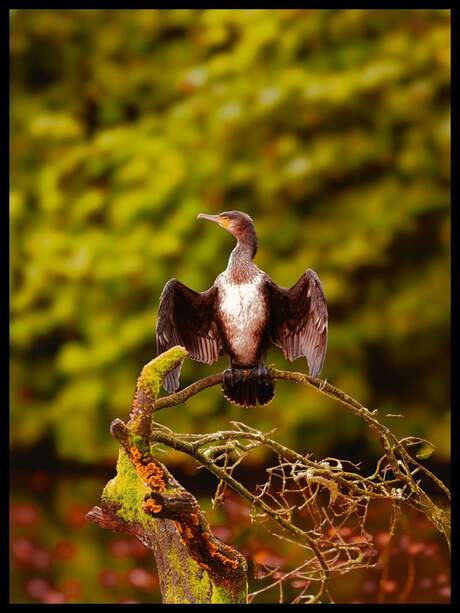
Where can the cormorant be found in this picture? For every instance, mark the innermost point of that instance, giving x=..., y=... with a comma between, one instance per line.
x=240, y=315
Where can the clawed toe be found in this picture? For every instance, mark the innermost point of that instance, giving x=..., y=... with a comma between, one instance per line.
x=232, y=376
x=228, y=377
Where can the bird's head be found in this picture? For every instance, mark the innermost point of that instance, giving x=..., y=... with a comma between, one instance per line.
x=237, y=223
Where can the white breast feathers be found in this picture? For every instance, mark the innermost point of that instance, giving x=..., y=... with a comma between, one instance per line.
x=243, y=312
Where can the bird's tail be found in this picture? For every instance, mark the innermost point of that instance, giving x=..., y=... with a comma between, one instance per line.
x=249, y=392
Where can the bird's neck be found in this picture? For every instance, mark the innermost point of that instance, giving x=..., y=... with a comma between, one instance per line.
x=240, y=265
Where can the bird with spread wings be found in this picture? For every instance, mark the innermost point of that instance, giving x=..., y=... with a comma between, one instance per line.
x=241, y=315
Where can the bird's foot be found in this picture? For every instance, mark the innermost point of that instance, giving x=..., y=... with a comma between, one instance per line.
x=228, y=377
x=262, y=374
x=232, y=376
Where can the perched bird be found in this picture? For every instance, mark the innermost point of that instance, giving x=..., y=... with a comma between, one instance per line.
x=240, y=315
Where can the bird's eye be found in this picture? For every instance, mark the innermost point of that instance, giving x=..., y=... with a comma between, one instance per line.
x=224, y=221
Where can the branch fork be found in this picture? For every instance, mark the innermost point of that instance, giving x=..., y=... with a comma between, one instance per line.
x=144, y=499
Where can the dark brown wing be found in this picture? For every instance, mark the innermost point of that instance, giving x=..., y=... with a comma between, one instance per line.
x=298, y=318
x=186, y=318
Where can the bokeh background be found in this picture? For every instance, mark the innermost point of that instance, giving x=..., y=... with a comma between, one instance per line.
x=331, y=128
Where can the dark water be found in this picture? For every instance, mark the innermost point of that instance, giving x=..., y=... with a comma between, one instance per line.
x=57, y=556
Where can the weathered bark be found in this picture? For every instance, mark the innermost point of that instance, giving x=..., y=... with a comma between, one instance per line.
x=146, y=501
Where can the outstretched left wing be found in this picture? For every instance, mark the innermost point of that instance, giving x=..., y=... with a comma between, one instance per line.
x=186, y=318
x=299, y=320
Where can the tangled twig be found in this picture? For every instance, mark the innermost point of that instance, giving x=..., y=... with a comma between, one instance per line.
x=321, y=505
x=292, y=495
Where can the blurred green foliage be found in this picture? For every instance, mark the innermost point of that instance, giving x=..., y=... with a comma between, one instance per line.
x=330, y=127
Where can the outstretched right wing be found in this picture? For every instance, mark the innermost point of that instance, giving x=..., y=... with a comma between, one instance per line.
x=299, y=320
x=186, y=318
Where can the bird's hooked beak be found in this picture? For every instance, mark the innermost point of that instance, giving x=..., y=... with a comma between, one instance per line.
x=222, y=221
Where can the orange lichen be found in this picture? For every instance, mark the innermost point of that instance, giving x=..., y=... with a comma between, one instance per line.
x=179, y=532
x=135, y=454
x=203, y=565
x=152, y=506
x=190, y=529
x=215, y=553
x=151, y=473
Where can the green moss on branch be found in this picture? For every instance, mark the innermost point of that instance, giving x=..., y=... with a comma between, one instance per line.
x=144, y=499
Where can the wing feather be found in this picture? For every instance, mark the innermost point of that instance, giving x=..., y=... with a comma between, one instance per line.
x=299, y=320
x=186, y=318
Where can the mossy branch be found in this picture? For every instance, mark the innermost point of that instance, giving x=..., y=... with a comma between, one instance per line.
x=145, y=499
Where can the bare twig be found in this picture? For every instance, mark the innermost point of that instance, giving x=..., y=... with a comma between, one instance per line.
x=397, y=458
x=321, y=505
